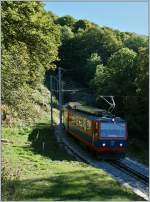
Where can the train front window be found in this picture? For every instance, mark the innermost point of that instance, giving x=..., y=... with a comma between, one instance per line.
x=113, y=130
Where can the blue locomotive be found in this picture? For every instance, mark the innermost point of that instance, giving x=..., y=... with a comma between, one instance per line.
x=98, y=129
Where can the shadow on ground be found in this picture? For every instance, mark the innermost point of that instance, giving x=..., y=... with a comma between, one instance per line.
x=44, y=142
x=74, y=185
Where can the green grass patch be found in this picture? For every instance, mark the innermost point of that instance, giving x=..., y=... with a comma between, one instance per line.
x=35, y=167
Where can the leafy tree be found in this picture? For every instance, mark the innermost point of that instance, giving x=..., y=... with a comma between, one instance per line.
x=122, y=36
x=52, y=16
x=30, y=42
x=90, y=67
x=100, y=80
x=66, y=20
x=117, y=78
x=76, y=51
x=15, y=70
x=82, y=25
x=142, y=76
x=104, y=42
x=28, y=22
x=66, y=33
x=134, y=42
x=142, y=84
x=122, y=70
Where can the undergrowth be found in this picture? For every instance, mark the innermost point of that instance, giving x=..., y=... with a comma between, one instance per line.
x=30, y=106
x=138, y=150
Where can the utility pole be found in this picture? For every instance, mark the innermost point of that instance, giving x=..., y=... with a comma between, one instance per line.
x=60, y=96
x=51, y=101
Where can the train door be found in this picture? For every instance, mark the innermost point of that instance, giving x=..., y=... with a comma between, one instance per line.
x=65, y=118
x=69, y=119
x=95, y=131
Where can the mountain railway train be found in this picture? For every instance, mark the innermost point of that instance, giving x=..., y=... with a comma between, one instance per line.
x=99, y=130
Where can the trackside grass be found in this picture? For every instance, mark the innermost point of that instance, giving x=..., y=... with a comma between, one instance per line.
x=36, y=168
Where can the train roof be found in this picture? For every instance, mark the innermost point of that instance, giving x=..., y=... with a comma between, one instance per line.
x=87, y=109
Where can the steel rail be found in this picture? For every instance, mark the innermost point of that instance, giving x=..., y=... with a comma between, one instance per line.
x=75, y=154
x=130, y=171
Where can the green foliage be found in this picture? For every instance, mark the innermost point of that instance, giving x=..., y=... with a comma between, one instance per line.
x=142, y=78
x=136, y=150
x=100, y=80
x=26, y=106
x=28, y=23
x=82, y=25
x=66, y=20
x=138, y=108
x=136, y=114
x=104, y=42
x=52, y=16
x=30, y=46
x=123, y=36
x=122, y=59
x=76, y=51
x=135, y=42
x=122, y=71
x=15, y=70
x=66, y=33
x=90, y=67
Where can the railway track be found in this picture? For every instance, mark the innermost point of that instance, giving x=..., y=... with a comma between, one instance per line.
x=74, y=153
x=130, y=171
x=120, y=171
x=117, y=164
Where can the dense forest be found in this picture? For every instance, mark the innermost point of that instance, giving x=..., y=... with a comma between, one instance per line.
x=107, y=61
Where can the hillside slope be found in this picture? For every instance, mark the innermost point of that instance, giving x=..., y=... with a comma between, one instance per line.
x=36, y=168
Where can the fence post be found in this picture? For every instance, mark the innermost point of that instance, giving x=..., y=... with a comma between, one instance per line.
x=51, y=99
x=60, y=96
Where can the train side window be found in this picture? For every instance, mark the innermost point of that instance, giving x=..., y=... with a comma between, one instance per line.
x=81, y=123
x=84, y=124
x=88, y=125
x=96, y=125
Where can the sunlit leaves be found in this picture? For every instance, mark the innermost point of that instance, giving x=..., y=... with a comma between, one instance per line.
x=135, y=42
x=65, y=20
x=30, y=42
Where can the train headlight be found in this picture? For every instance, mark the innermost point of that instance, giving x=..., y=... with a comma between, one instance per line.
x=121, y=144
x=113, y=120
x=103, y=144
